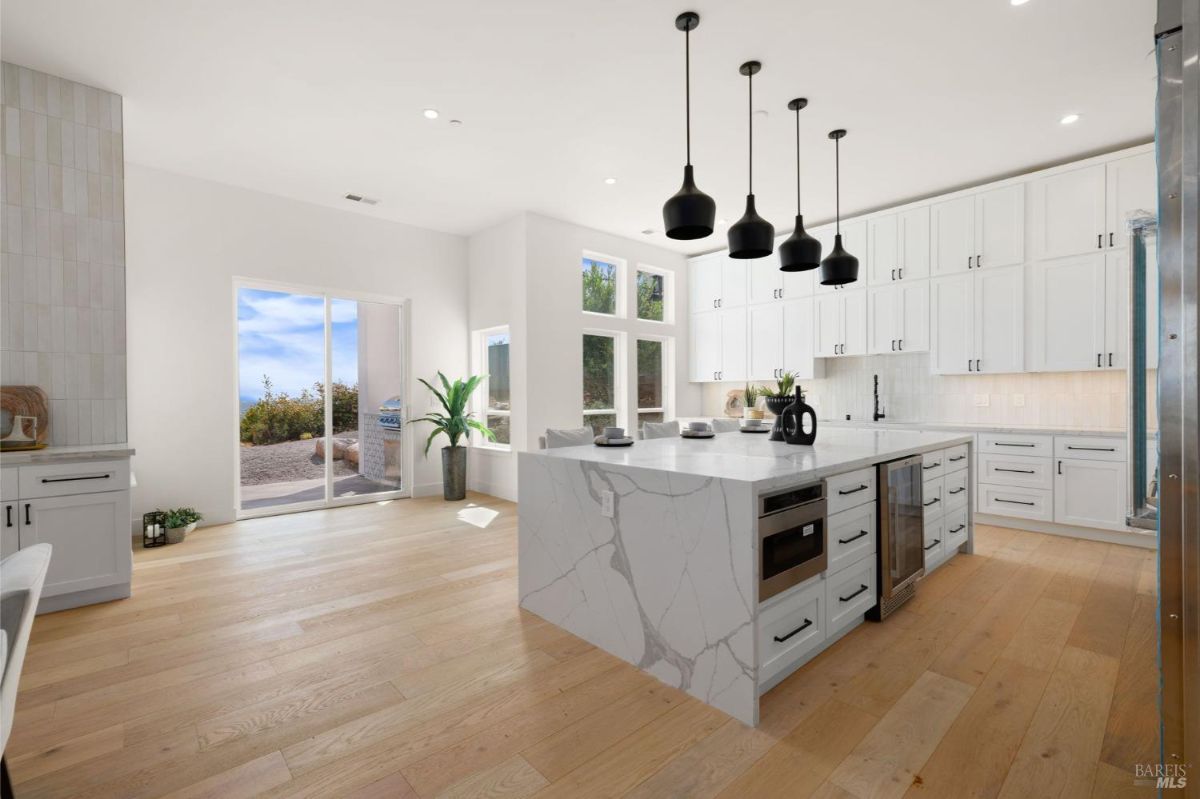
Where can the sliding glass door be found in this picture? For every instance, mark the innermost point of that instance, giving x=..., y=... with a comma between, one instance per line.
x=320, y=400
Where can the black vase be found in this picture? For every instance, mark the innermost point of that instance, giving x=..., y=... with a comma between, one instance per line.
x=792, y=420
x=776, y=405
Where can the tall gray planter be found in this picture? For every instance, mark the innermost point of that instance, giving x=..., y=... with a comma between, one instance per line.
x=454, y=473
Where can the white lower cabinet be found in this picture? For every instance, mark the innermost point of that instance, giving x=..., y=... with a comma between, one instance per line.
x=1090, y=493
x=849, y=594
x=956, y=532
x=90, y=536
x=1024, y=503
x=851, y=537
x=935, y=539
x=791, y=628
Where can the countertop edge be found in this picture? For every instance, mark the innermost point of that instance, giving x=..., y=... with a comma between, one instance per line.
x=65, y=455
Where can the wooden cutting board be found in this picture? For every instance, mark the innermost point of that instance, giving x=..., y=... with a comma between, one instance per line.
x=25, y=401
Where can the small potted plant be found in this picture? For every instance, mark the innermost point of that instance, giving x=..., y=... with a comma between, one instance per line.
x=779, y=398
x=751, y=409
x=180, y=522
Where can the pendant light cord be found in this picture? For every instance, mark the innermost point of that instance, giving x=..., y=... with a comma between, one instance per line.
x=687, y=91
x=797, y=162
x=837, y=185
x=750, y=116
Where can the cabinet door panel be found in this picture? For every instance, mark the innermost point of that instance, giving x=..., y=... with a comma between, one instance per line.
x=827, y=329
x=883, y=319
x=883, y=236
x=704, y=357
x=766, y=341
x=1132, y=185
x=1090, y=493
x=733, y=344
x=854, y=322
x=799, y=284
x=734, y=282
x=914, y=243
x=913, y=302
x=766, y=280
x=854, y=240
x=1068, y=213
x=91, y=539
x=1000, y=226
x=1116, y=309
x=798, y=340
x=952, y=236
x=952, y=324
x=1000, y=319
x=1068, y=313
x=704, y=282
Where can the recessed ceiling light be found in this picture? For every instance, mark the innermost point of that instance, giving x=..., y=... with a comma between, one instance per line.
x=430, y=113
x=1069, y=119
x=1018, y=2
x=456, y=122
x=610, y=181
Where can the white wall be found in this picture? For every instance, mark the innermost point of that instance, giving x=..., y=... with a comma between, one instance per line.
x=186, y=241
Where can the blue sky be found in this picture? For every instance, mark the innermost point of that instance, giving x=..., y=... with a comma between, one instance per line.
x=282, y=335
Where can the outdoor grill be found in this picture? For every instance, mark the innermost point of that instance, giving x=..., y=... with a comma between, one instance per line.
x=390, y=414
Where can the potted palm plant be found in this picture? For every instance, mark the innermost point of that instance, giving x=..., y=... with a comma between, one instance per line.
x=455, y=423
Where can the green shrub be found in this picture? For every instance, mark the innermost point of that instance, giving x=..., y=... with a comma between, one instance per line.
x=281, y=417
x=182, y=517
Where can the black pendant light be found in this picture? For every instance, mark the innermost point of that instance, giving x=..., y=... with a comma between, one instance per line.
x=801, y=251
x=690, y=213
x=751, y=236
x=839, y=267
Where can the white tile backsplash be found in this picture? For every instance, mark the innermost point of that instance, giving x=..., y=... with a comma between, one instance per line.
x=62, y=271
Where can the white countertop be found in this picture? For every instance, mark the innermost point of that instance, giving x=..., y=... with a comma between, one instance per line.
x=59, y=454
x=750, y=457
x=1106, y=432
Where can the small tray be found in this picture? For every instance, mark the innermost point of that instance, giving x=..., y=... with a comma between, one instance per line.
x=691, y=434
x=21, y=446
x=613, y=442
x=762, y=428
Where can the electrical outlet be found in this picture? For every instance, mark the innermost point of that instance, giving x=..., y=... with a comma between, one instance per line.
x=982, y=400
x=606, y=504
x=1018, y=400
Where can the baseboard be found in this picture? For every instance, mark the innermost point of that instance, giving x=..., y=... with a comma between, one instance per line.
x=494, y=490
x=427, y=489
x=93, y=596
x=1145, y=540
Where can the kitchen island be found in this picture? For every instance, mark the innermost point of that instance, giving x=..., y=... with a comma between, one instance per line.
x=651, y=552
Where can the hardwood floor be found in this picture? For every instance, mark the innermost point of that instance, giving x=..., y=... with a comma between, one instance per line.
x=378, y=651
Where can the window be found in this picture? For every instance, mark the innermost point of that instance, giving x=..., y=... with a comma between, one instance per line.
x=495, y=401
x=600, y=281
x=651, y=403
x=651, y=295
x=600, y=390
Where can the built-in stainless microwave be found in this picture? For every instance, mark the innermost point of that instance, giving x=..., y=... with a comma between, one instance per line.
x=791, y=538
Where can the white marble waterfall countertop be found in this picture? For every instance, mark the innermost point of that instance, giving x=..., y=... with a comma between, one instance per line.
x=750, y=457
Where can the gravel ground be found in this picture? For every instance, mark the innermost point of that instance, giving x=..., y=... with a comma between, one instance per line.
x=291, y=460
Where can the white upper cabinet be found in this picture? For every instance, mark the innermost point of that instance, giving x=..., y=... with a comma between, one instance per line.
x=704, y=350
x=827, y=325
x=799, y=284
x=1131, y=185
x=999, y=316
x=951, y=324
x=766, y=341
x=704, y=282
x=883, y=237
x=1078, y=319
x=1000, y=227
x=734, y=350
x=913, y=246
x=1068, y=213
x=898, y=318
x=766, y=281
x=734, y=282
x=952, y=236
x=914, y=319
x=798, y=340
x=1116, y=310
x=854, y=323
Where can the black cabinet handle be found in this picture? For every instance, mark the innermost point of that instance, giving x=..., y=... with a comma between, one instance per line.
x=861, y=533
x=893, y=345
x=932, y=466
x=8, y=515
x=1099, y=241
x=805, y=626
x=958, y=458
x=1015, y=471
x=978, y=368
x=1010, y=444
x=968, y=262
x=936, y=541
x=28, y=521
x=1016, y=502
x=960, y=527
x=901, y=272
x=1097, y=360
x=843, y=492
x=861, y=588
x=74, y=479
x=893, y=274
x=1110, y=240
x=933, y=501
x=1092, y=449
x=969, y=369
x=958, y=490
x=1060, y=467
x=978, y=258
x=1110, y=359
x=901, y=342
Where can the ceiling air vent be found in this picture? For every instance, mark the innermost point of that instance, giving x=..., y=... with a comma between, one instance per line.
x=358, y=198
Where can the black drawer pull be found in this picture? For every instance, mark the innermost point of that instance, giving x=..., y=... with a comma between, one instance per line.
x=1015, y=471
x=28, y=521
x=1009, y=444
x=958, y=458
x=805, y=626
x=1093, y=449
x=960, y=527
x=853, y=490
x=936, y=541
x=861, y=533
x=73, y=479
x=932, y=501
x=1016, y=502
x=932, y=466
x=958, y=490
x=861, y=588
x=8, y=515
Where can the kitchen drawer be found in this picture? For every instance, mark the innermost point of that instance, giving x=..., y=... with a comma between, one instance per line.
x=1090, y=448
x=8, y=483
x=933, y=497
x=955, y=492
x=849, y=594
x=935, y=542
x=851, y=537
x=65, y=479
x=1016, y=444
x=956, y=458
x=933, y=464
x=1015, y=470
x=956, y=530
x=849, y=490
x=1025, y=503
x=791, y=628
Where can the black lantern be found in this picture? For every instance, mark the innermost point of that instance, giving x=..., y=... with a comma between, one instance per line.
x=154, y=529
x=839, y=267
x=751, y=236
x=690, y=213
x=801, y=251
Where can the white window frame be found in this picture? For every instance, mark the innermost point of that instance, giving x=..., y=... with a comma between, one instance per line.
x=668, y=378
x=620, y=339
x=480, y=402
x=620, y=277
x=668, y=293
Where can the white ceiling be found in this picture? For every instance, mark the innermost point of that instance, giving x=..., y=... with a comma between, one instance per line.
x=312, y=99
